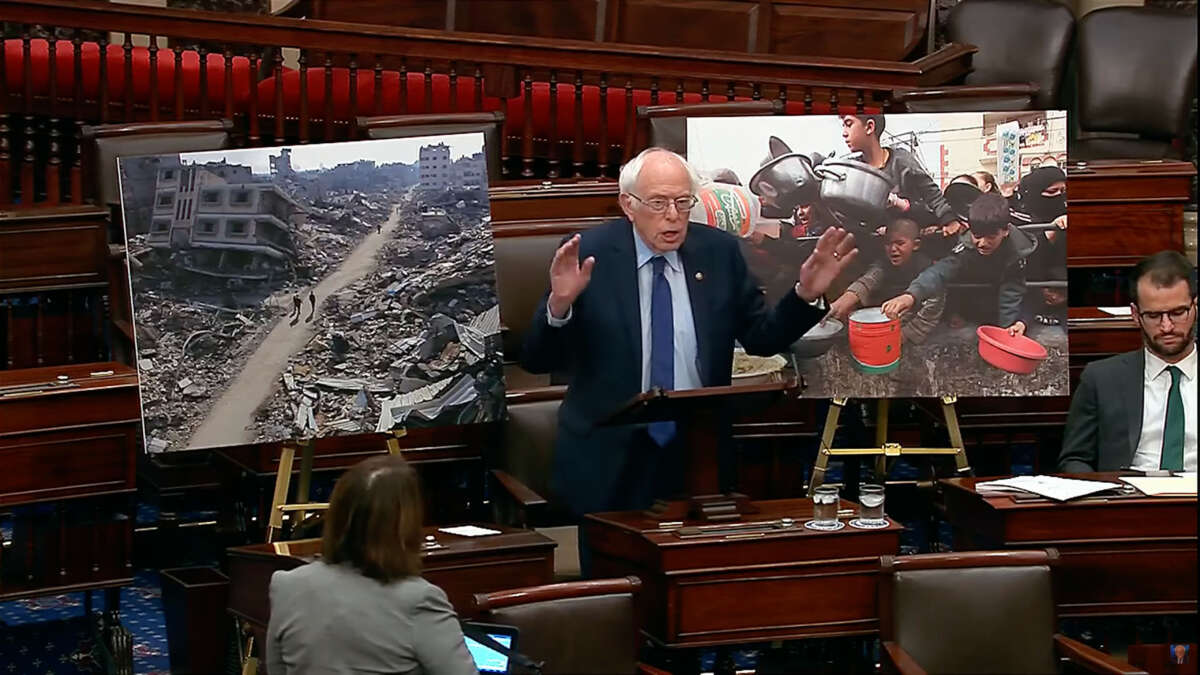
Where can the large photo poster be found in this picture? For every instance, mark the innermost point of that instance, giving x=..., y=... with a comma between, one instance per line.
x=959, y=287
x=312, y=290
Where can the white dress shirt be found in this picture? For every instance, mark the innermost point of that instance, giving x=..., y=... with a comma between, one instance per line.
x=687, y=357
x=1156, y=387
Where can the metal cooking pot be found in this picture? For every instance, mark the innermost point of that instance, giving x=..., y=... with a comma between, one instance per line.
x=854, y=188
x=787, y=181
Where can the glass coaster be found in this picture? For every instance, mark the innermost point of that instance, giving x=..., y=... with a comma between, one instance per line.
x=836, y=525
x=868, y=524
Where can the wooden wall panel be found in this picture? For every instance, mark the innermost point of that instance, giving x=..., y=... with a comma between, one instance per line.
x=730, y=25
x=850, y=32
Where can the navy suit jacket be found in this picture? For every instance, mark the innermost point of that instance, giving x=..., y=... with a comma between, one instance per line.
x=1105, y=421
x=600, y=348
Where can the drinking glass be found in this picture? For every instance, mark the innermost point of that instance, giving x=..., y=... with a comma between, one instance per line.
x=870, y=509
x=825, y=506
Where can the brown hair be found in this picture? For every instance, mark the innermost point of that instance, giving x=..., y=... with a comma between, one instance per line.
x=1163, y=269
x=374, y=520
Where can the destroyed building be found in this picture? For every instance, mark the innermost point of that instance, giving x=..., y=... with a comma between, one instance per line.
x=438, y=172
x=215, y=221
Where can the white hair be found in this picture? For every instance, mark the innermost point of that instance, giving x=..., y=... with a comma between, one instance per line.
x=633, y=170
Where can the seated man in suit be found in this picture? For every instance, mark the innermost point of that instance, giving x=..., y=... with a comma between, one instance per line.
x=652, y=300
x=1138, y=410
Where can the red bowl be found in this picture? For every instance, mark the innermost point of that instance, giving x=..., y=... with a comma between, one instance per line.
x=1016, y=354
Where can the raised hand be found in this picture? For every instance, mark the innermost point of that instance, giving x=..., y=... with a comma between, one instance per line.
x=833, y=252
x=568, y=277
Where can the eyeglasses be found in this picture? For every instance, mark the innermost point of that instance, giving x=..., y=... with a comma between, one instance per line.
x=660, y=204
x=1175, y=315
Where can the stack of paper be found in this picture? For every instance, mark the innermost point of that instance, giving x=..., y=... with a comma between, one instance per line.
x=1163, y=486
x=1053, y=487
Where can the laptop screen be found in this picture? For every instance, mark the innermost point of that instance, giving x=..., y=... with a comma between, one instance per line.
x=488, y=660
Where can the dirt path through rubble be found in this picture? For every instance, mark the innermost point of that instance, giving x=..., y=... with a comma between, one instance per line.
x=230, y=416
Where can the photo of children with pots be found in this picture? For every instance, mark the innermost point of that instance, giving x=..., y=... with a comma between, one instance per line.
x=960, y=285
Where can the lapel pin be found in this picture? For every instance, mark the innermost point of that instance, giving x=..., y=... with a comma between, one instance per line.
x=699, y=276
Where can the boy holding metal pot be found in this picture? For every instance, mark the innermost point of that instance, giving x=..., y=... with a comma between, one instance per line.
x=994, y=255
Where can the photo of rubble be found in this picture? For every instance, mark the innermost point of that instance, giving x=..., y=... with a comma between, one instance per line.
x=960, y=219
x=312, y=290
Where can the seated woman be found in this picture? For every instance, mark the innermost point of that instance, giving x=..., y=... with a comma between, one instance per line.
x=364, y=608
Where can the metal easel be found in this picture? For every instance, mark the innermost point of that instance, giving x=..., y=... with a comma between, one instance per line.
x=885, y=449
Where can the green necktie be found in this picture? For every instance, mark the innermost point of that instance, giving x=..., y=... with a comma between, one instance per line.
x=1172, y=448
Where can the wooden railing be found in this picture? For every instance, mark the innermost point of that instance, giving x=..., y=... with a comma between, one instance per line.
x=570, y=103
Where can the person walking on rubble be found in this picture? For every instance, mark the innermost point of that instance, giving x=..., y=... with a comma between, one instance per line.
x=296, y=304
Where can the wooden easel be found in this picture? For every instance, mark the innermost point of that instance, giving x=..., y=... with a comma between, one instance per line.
x=280, y=505
x=885, y=449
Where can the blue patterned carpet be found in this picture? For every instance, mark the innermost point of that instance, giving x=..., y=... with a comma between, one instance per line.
x=50, y=636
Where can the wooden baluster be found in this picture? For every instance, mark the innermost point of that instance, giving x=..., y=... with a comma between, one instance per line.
x=578, y=144
x=783, y=97
x=527, y=131
x=178, y=50
x=153, y=49
x=630, y=122
x=552, y=169
x=77, y=71
x=103, y=83
x=353, y=93
x=277, y=71
x=328, y=112
x=6, y=184
x=304, y=121
x=654, y=91
x=54, y=167
x=833, y=100
x=27, y=160
x=453, y=89
x=757, y=95
x=404, y=86
x=730, y=91
x=252, y=110
x=127, y=67
x=70, y=300
x=39, y=320
x=479, y=88
x=227, y=55
x=859, y=103
x=12, y=328
x=679, y=91
x=203, y=52
x=704, y=91
x=602, y=150
x=26, y=68
x=52, y=84
x=378, y=94
x=886, y=103
x=428, y=79
x=77, y=165
x=808, y=101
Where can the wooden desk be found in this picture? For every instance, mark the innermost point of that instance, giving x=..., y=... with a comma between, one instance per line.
x=1122, y=555
x=462, y=567
x=1123, y=210
x=712, y=590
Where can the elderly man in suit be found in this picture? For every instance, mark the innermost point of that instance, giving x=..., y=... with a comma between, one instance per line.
x=1138, y=410
x=647, y=301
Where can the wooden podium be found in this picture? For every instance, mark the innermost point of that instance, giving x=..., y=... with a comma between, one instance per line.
x=699, y=414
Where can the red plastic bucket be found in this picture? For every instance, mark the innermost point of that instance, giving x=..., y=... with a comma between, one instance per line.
x=874, y=340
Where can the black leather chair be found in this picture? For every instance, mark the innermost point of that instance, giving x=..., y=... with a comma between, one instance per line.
x=665, y=126
x=491, y=124
x=1023, y=47
x=576, y=628
x=977, y=612
x=104, y=143
x=1136, y=77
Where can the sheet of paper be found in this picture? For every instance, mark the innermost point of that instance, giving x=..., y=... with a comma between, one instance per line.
x=1116, y=311
x=1053, y=487
x=468, y=531
x=1158, y=486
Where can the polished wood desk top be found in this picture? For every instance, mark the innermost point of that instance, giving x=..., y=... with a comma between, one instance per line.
x=1019, y=502
x=449, y=545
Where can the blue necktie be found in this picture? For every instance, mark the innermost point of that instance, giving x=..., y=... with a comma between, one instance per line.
x=662, y=345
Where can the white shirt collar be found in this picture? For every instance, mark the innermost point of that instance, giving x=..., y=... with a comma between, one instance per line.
x=1155, y=365
x=645, y=253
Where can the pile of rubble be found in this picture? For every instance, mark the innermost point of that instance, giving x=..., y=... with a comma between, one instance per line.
x=414, y=342
x=334, y=226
